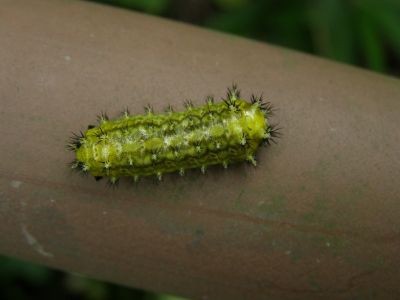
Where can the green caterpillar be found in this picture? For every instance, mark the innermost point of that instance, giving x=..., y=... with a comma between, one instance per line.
x=154, y=144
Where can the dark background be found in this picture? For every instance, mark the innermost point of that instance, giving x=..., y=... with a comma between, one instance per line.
x=364, y=33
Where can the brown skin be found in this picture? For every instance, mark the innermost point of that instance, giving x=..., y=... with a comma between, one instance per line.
x=318, y=217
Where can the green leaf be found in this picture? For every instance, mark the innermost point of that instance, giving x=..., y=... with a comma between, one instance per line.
x=231, y=4
x=385, y=15
x=331, y=28
x=149, y=6
x=371, y=45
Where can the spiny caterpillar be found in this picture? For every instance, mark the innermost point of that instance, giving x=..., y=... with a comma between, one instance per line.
x=154, y=144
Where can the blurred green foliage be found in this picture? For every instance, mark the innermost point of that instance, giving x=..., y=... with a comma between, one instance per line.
x=25, y=281
x=360, y=32
x=149, y=6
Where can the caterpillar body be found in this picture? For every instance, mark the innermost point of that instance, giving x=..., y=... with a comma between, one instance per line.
x=154, y=144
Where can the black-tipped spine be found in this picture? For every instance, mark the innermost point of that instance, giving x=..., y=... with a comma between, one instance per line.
x=75, y=141
x=272, y=133
x=103, y=117
x=233, y=92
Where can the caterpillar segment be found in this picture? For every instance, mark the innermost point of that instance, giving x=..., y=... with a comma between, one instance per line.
x=216, y=133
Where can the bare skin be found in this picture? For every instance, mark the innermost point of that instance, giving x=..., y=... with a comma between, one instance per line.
x=318, y=216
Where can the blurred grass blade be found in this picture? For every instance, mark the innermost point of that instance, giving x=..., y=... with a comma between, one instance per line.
x=371, y=44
